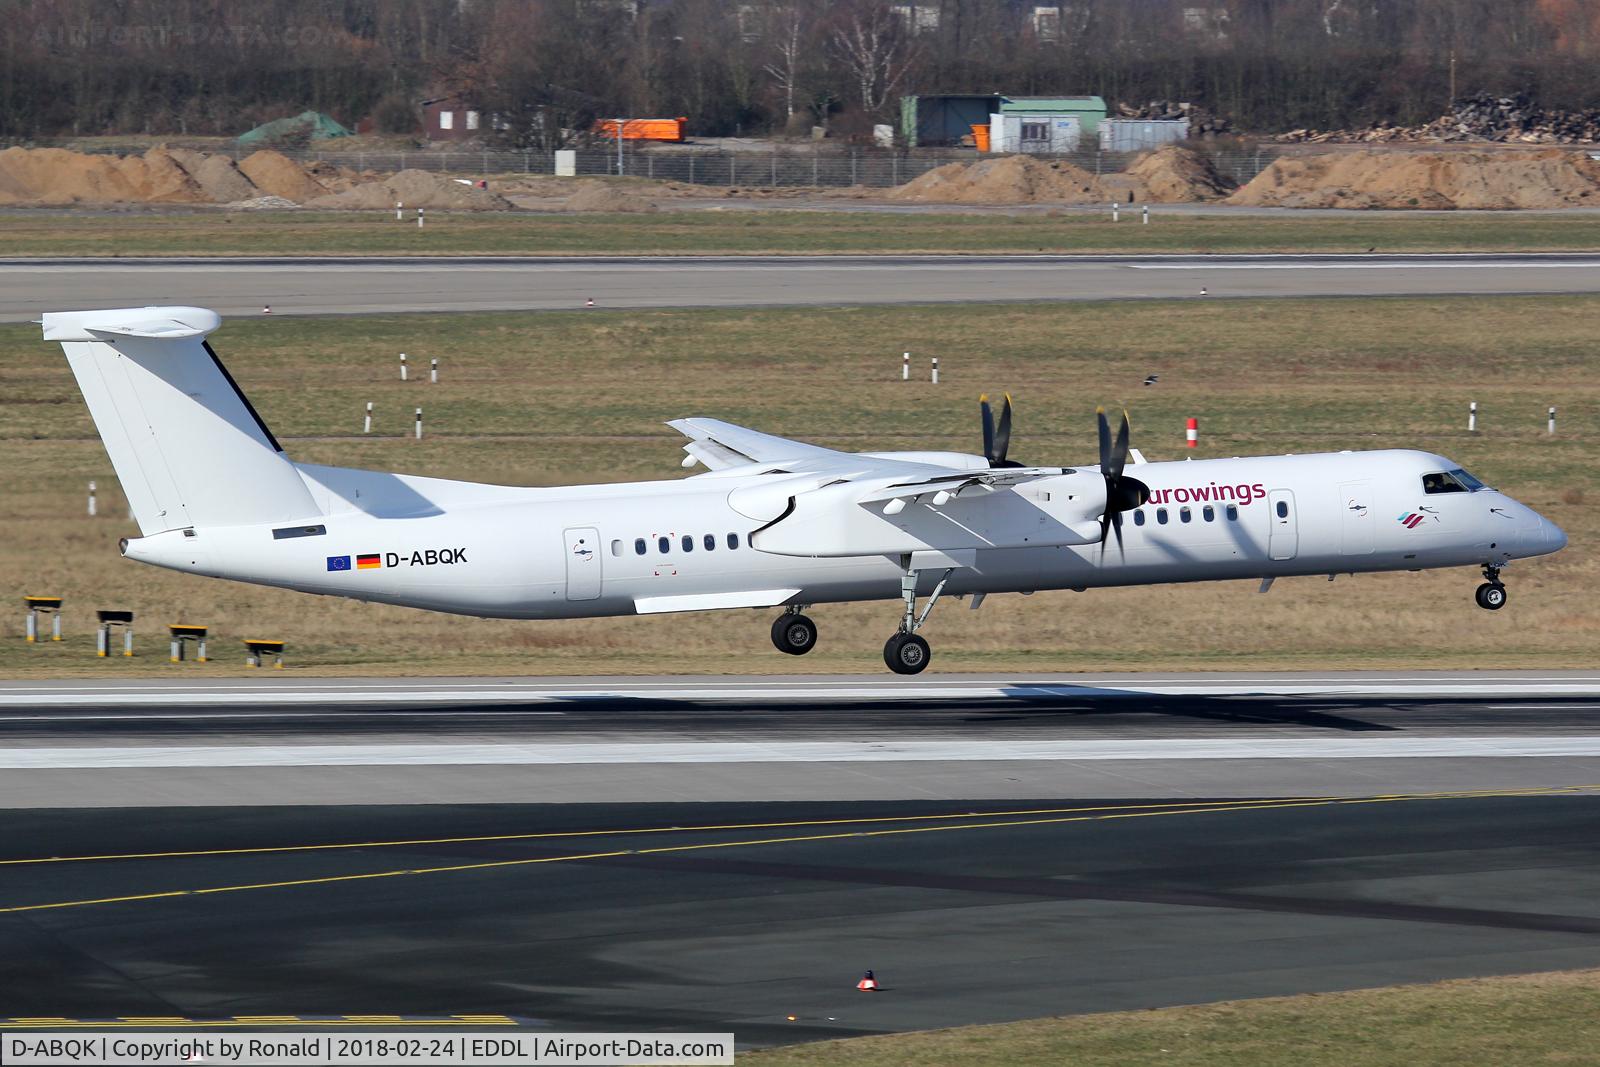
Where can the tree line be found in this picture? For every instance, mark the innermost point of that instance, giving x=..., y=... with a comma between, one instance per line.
x=547, y=67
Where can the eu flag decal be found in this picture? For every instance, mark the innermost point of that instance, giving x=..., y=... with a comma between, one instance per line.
x=338, y=563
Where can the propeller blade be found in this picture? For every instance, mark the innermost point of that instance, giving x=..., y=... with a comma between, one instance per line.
x=1002, y=437
x=988, y=428
x=1105, y=437
x=1116, y=526
x=1119, y=451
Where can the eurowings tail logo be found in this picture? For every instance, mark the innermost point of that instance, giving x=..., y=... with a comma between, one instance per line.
x=1411, y=518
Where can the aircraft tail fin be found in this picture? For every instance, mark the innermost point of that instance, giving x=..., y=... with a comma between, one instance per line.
x=187, y=446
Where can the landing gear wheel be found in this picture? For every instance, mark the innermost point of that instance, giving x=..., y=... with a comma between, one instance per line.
x=907, y=654
x=1491, y=596
x=794, y=634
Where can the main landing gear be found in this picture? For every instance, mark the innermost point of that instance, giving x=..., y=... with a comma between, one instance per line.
x=793, y=633
x=1491, y=595
x=906, y=652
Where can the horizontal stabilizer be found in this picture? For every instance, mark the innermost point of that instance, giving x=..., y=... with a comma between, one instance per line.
x=168, y=323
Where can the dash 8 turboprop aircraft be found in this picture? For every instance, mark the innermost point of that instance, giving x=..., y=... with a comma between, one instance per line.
x=772, y=523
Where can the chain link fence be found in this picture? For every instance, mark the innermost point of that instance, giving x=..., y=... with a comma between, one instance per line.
x=776, y=169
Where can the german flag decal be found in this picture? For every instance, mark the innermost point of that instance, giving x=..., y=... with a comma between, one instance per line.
x=366, y=563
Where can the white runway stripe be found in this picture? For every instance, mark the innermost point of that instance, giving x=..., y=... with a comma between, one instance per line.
x=886, y=751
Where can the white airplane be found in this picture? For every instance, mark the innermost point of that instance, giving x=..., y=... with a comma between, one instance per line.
x=773, y=523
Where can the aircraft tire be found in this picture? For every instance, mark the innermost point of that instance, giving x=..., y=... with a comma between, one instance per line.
x=907, y=654
x=1491, y=596
x=794, y=634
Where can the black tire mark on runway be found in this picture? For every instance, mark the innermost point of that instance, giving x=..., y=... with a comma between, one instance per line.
x=1053, y=889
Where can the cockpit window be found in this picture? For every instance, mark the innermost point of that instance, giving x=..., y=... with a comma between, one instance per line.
x=1456, y=481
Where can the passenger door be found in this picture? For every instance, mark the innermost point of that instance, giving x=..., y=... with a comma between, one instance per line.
x=1283, y=538
x=583, y=563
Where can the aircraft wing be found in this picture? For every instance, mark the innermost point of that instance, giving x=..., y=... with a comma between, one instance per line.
x=720, y=445
x=955, y=482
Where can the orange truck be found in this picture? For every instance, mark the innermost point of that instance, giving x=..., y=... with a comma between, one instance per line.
x=644, y=129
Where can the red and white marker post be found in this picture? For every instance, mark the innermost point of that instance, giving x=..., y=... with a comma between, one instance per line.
x=1192, y=434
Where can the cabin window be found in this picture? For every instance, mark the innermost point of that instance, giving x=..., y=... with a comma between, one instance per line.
x=1138, y=518
x=638, y=546
x=1209, y=512
x=733, y=540
x=1456, y=481
x=710, y=542
x=688, y=542
x=1184, y=515
x=1283, y=509
x=616, y=547
x=1233, y=512
x=1161, y=516
x=664, y=544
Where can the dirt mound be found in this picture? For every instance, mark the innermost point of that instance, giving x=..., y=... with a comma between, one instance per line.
x=598, y=196
x=57, y=176
x=221, y=180
x=184, y=176
x=1174, y=175
x=275, y=174
x=158, y=178
x=1502, y=180
x=414, y=188
x=1003, y=180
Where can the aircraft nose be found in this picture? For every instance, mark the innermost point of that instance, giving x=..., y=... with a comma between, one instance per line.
x=1543, y=538
x=1555, y=538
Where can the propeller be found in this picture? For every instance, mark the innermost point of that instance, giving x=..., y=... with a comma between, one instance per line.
x=1122, y=492
x=996, y=441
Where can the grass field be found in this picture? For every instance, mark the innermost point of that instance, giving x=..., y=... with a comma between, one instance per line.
x=39, y=233
x=1485, y=1022
x=547, y=398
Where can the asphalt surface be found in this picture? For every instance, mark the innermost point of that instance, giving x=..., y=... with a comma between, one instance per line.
x=335, y=285
x=335, y=742
x=980, y=918
x=714, y=854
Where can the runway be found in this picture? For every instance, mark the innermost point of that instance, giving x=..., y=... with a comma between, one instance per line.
x=721, y=853
x=371, y=285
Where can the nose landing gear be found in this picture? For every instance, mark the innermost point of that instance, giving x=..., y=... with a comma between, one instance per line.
x=1491, y=595
x=793, y=633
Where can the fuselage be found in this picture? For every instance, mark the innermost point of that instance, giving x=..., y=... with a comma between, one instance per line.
x=641, y=547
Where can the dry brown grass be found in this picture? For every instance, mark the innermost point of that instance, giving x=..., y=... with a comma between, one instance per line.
x=87, y=232
x=565, y=397
x=1477, y=1022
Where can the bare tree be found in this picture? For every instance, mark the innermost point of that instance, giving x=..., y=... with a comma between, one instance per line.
x=788, y=39
x=874, y=45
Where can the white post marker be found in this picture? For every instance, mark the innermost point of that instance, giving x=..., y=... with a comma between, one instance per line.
x=402, y=366
x=905, y=367
x=419, y=424
x=935, y=370
x=433, y=371
x=1116, y=211
x=1146, y=212
x=91, y=486
x=1552, y=426
x=366, y=423
x=399, y=208
x=1472, y=417
x=419, y=218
